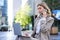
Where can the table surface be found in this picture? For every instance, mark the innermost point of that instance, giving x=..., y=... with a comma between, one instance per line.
x=10, y=35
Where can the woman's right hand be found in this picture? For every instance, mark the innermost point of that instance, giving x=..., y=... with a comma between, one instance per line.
x=45, y=15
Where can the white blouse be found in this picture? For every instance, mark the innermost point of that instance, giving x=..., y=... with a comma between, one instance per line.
x=38, y=25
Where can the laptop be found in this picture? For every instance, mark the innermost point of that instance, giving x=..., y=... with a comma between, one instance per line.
x=17, y=29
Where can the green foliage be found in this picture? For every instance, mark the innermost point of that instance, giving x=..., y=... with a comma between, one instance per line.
x=23, y=15
x=53, y=4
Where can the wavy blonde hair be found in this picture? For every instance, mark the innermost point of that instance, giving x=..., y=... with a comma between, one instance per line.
x=43, y=4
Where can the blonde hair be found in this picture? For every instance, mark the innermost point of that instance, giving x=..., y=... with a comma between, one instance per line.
x=43, y=4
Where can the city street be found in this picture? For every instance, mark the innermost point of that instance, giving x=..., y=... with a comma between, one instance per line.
x=7, y=36
x=10, y=36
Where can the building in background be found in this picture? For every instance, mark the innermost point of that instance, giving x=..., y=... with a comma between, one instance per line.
x=3, y=11
x=3, y=15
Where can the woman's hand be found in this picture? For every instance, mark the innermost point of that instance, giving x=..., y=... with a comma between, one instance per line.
x=27, y=35
x=45, y=15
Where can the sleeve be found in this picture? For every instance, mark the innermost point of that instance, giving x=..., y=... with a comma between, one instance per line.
x=46, y=25
x=34, y=29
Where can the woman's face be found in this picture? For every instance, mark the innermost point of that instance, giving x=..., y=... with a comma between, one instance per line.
x=40, y=9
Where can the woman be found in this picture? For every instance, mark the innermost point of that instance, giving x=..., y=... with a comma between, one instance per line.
x=43, y=23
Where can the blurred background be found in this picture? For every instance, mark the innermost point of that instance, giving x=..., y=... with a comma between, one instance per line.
x=24, y=12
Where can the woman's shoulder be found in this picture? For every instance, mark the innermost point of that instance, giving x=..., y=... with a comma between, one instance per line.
x=50, y=18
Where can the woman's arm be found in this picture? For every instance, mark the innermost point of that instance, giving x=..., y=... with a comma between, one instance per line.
x=46, y=25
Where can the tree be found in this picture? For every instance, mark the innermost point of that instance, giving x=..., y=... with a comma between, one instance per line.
x=23, y=15
x=53, y=4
